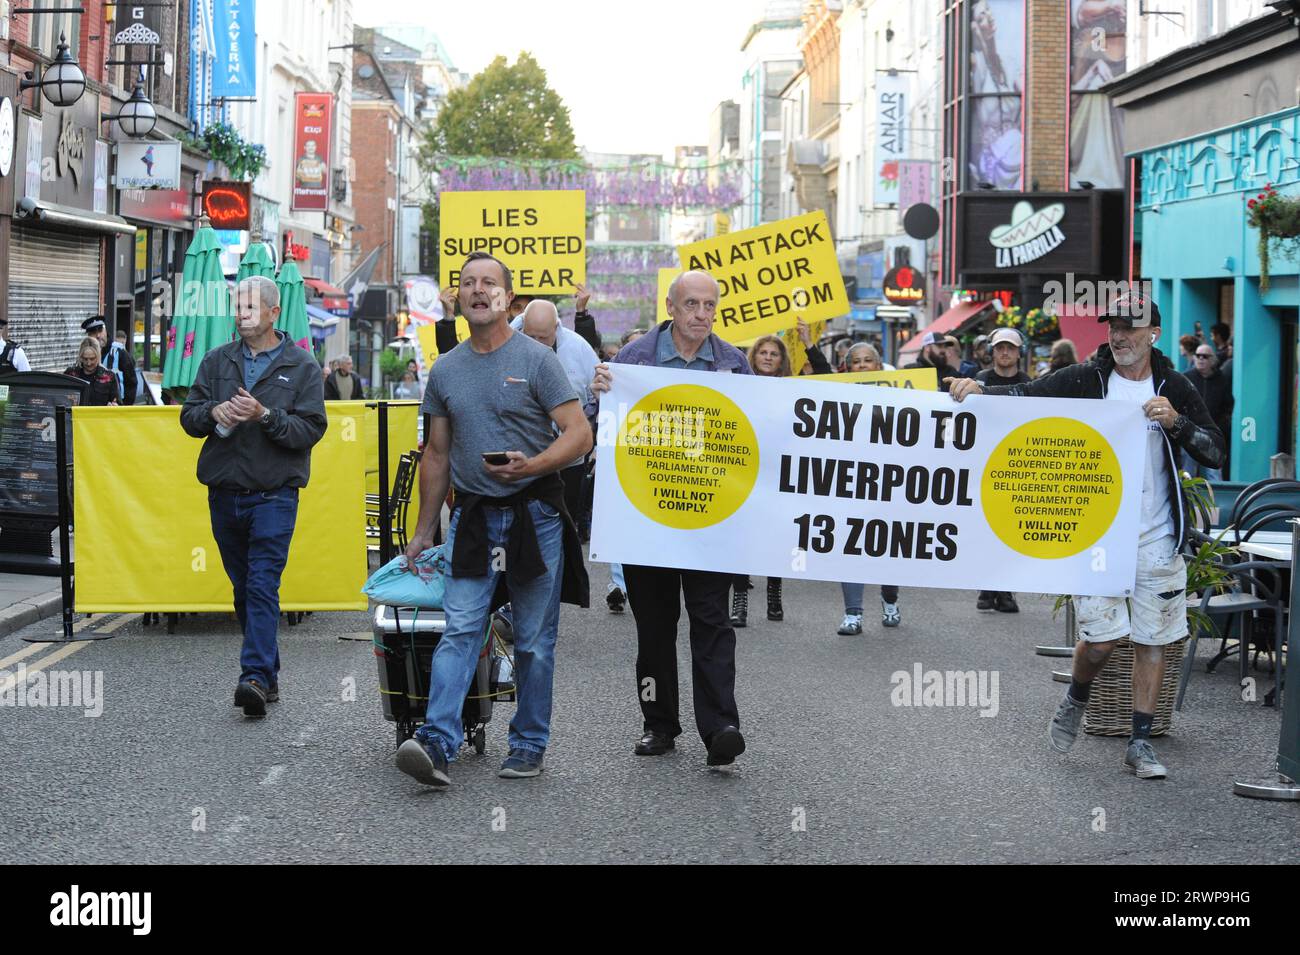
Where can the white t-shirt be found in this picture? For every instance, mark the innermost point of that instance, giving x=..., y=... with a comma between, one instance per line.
x=1157, y=515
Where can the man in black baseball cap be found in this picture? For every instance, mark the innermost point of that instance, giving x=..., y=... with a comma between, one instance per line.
x=116, y=359
x=1131, y=368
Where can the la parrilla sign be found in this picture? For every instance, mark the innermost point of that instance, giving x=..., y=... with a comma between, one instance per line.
x=1030, y=234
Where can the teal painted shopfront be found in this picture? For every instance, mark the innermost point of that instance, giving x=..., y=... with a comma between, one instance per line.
x=1202, y=259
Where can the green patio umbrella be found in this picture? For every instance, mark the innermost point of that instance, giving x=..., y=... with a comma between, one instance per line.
x=202, y=316
x=293, y=305
x=256, y=261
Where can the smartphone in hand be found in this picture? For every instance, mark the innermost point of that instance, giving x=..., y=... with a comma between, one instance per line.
x=496, y=457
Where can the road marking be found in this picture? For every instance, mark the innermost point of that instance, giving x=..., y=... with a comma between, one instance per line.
x=25, y=652
x=41, y=664
x=273, y=776
x=120, y=622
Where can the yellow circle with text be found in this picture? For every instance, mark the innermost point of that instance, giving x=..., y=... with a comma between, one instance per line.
x=1051, y=488
x=687, y=457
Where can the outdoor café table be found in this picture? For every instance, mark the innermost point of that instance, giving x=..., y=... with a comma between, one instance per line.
x=1271, y=545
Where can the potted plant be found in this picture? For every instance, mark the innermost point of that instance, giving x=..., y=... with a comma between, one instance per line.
x=1277, y=218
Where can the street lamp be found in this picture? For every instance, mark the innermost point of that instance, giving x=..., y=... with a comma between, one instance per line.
x=63, y=82
x=137, y=117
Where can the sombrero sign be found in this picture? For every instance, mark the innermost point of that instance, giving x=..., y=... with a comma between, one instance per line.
x=1030, y=234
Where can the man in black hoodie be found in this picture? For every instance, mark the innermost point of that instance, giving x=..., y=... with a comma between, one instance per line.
x=933, y=355
x=1130, y=368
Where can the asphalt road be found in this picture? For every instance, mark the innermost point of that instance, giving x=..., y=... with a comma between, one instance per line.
x=835, y=772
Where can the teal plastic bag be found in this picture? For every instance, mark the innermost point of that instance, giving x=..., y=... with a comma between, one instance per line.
x=394, y=585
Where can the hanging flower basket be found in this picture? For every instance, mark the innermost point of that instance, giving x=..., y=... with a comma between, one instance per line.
x=1278, y=220
x=1041, y=324
x=1010, y=317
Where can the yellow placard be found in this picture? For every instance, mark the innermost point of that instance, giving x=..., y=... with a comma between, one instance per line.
x=541, y=236
x=427, y=336
x=153, y=548
x=666, y=277
x=771, y=276
x=795, y=348
x=141, y=249
x=922, y=379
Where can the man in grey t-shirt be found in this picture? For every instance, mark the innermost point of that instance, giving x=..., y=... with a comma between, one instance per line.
x=493, y=401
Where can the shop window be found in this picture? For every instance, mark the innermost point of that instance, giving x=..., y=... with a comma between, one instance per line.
x=47, y=27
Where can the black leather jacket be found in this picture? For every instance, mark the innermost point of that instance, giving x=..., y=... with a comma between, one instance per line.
x=1194, y=431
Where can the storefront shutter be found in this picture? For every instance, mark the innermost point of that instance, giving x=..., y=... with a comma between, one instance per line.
x=53, y=287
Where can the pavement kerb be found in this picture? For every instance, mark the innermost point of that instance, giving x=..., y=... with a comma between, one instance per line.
x=24, y=613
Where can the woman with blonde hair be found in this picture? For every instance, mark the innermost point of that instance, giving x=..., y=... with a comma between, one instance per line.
x=101, y=385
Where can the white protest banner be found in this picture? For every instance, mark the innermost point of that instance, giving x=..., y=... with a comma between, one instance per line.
x=833, y=481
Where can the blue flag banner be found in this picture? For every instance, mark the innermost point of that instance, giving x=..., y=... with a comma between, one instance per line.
x=234, y=68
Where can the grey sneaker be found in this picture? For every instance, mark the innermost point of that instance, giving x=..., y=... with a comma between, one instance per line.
x=521, y=764
x=851, y=625
x=1065, y=724
x=423, y=761
x=1141, y=758
x=889, y=615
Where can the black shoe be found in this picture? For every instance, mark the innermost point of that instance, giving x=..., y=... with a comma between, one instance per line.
x=614, y=600
x=654, y=744
x=725, y=745
x=1006, y=603
x=774, y=609
x=740, y=608
x=250, y=695
x=986, y=600
x=272, y=695
x=423, y=761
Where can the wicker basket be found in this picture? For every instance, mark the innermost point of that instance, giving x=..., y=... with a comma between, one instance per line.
x=1110, y=702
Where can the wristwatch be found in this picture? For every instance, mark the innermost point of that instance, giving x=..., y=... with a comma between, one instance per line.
x=266, y=417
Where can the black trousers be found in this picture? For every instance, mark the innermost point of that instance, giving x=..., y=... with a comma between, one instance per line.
x=654, y=594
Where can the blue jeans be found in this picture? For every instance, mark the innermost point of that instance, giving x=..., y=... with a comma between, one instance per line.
x=853, y=596
x=467, y=606
x=616, y=578
x=253, y=532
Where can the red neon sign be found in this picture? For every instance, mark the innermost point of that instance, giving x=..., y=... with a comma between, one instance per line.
x=228, y=204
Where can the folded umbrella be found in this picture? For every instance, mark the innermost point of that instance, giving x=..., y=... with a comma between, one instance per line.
x=293, y=305
x=256, y=261
x=202, y=318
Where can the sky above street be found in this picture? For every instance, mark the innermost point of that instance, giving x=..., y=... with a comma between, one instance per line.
x=637, y=77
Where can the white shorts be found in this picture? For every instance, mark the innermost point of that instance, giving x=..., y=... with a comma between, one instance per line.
x=1156, y=614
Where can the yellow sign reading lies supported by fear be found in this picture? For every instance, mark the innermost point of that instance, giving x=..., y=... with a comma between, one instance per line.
x=540, y=235
x=771, y=276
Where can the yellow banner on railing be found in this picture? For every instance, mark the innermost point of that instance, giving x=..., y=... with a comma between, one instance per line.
x=144, y=536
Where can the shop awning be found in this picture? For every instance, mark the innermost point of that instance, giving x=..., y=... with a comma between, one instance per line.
x=319, y=318
x=68, y=217
x=951, y=322
x=333, y=298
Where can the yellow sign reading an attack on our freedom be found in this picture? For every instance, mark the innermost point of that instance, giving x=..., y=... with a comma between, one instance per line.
x=771, y=276
x=921, y=379
x=540, y=235
x=666, y=277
